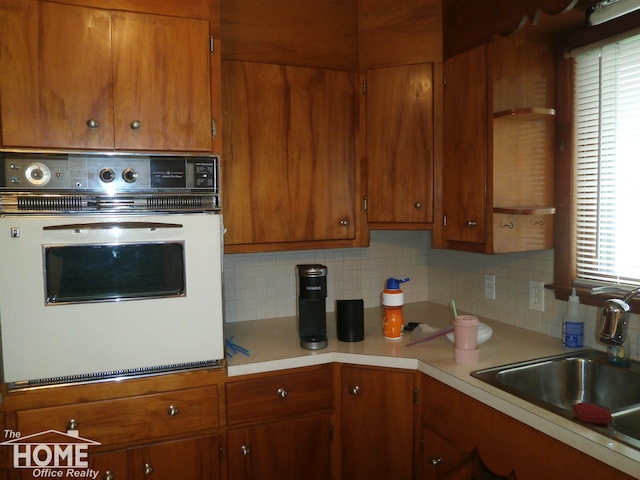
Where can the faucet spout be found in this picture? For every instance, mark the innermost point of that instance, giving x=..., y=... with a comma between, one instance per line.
x=613, y=323
x=614, y=315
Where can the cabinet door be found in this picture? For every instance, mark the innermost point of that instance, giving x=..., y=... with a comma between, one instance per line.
x=189, y=459
x=289, y=450
x=109, y=465
x=55, y=76
x=377, y=411
x=400, y=144
x=465, y=162
x=289, y=153
x=162, y=89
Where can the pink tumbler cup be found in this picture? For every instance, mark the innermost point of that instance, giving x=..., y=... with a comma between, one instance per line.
x=465, y=332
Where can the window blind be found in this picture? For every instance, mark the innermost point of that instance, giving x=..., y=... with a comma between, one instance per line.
x=607, y=135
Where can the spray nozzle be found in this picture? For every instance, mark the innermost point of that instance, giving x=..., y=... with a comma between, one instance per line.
x=394, y=283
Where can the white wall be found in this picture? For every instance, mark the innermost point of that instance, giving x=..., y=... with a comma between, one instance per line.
x=259, y=286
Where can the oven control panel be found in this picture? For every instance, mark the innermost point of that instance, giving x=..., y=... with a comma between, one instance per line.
x=107, y=174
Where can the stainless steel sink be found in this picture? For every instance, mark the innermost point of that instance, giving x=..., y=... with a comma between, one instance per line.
x=559, y=382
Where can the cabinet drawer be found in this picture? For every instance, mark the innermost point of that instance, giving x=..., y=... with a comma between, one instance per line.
x=129, y=419
x=274, y=397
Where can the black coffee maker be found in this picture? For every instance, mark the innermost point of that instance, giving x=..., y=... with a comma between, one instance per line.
x=312, y=310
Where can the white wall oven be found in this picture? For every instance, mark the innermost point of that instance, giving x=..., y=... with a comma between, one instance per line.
x=110, y=266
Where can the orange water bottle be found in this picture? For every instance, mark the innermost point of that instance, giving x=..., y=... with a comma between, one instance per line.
x=392, y=301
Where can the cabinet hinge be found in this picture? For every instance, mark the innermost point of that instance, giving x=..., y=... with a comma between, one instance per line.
x=364, y=88
x=416, y=396
x=212, y=45
x=365, y=204
x=444, y=79
x=221, y=454
x=331, y=432
x=444, y=221
x=214, y=129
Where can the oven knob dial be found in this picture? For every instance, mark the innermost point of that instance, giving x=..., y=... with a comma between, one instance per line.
x=37, y=174
x=129, y=175
x=107, y=175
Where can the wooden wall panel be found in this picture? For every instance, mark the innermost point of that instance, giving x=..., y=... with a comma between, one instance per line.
x=400, y=33
x=206, y=9
x=292, y=32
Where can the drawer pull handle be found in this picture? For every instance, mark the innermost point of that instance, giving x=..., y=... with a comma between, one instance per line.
x=148, y=469
x=282, y=393
x=136, y=124
x=92, y=124
x=245, y=450
x=436, y=461
x=72, y=425
x=108, y=475
x=355, y=390
x=417, y=205
x=470, y=223
x=173, y=410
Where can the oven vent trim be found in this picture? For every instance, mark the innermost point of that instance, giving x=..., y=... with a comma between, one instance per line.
x=112, y=375
x=25, y=204
x=67, y=203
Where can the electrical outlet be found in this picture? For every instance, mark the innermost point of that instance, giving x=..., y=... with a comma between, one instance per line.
x=490, y=286
x=536, y=295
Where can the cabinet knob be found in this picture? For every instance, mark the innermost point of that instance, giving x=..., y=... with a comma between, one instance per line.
x=470, y=223
x=345, y=222
x=354, y=390
x=136, y=124
x=282, y=393
x=108, y=475
x=173, y=410
x=245, y=450
x=147, y=469
x=92, y=124
x=72, y=424
x=417, y=205
x=436, y=461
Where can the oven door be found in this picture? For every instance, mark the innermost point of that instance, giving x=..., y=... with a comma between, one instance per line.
x=86, y=295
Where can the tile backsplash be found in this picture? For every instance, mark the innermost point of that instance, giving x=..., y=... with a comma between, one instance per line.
x=262, y=285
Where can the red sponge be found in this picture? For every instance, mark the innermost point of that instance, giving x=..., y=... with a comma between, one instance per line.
x=592, y=413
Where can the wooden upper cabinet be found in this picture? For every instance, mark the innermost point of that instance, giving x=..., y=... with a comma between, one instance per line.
x=465, y=143
x=400, y=144
x=55, y=75
x=75, y=77
x=161, y=82
x=289, y=150
x=498, y=146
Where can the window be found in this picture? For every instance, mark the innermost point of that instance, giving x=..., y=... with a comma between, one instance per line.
x=607, y=152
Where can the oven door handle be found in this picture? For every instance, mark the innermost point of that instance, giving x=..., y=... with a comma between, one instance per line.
x=111, y=225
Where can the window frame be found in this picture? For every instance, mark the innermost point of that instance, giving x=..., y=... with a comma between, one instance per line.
x=565, y=221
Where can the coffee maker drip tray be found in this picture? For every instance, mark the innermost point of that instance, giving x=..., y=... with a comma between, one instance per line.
x=315, y=342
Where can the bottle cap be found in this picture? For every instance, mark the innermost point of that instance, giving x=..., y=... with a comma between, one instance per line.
x=394, y=283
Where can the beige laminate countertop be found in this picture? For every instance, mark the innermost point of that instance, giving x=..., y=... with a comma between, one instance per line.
x=274, y=345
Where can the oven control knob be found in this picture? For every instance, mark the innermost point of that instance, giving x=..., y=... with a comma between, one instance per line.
x=107, y=175
x=37, y=174
x=129, y=175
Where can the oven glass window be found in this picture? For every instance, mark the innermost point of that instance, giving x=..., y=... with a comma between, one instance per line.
x=95, y=273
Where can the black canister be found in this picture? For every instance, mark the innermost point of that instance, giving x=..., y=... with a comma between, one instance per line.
x=350, y=320
x=312, y=310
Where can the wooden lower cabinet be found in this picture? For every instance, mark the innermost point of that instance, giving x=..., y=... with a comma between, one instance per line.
x=280, y=425
x=500, y=446
x=110, y=465
x=377, y=423
x=286, y=450
x=186, y=459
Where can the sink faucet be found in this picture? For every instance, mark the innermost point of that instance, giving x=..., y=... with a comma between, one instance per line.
x=613, y=322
